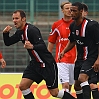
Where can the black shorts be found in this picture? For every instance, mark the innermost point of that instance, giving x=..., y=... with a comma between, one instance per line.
x=84, y=66
x=77, y=68
x=49, y=73
x=94, y=78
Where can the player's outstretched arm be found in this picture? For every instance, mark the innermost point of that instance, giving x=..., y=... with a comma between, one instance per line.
x=7, y=29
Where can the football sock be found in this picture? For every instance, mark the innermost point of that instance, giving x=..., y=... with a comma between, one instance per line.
x=86, y=90
x=79, y=94
x=64, y=95
x=95, y=93
x=27, y=94
x=60, y=93
x=68, y=96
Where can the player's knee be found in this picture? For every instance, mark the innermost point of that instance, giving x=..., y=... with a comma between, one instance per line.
x=83, y=77
x=65, y=85
x=22, y=87
x=53, y=92
x=77, y=87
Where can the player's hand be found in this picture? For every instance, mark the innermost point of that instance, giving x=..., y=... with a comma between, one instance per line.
x=7, y=29
x=28, y=45
x=61, y=55
x=3, y=63
x=96, y=66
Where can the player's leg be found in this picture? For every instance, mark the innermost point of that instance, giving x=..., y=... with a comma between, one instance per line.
x=60, y=94
x=51, y=77
x=25, y=88
x=27, y=81
x=83, y=78
x=93, y=85
x=95, y=92
x=86, y=72
x=77, y=87
x=30, y=75
x=64, y=71
x=71, y=75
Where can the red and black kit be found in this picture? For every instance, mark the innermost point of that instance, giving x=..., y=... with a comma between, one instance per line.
x=42, y=64
x=86, y=36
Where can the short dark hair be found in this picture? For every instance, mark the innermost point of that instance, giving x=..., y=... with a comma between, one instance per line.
x=85, y=7
x=78, y=4
x=22, y=13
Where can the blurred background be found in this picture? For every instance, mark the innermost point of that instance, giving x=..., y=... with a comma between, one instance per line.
x=41, y=13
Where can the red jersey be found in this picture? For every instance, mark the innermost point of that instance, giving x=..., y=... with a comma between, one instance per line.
x=0, y=55
x=59, y=35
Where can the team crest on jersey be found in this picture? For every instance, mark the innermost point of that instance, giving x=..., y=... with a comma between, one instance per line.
x=77, y=32
x=51, y=31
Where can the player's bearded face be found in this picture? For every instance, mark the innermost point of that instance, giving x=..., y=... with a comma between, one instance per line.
x=17, y=20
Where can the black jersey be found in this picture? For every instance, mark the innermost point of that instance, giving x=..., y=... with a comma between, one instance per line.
x=86, y=36
x=31, y=33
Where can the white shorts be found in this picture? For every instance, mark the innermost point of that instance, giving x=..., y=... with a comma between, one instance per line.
x=66, y=73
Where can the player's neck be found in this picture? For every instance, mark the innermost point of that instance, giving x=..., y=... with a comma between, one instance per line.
x=67, y=18
x=79, y=21
x=23, y=26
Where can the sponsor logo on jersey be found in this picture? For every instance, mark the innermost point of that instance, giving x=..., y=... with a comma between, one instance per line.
x=79, y=42
x=67, y=27
x=64, y=39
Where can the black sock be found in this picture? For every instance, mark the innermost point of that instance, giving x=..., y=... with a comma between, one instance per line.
x=68, y=96
x=29, y=96
x=95, y=93
x=79, y=96
x=86, y=92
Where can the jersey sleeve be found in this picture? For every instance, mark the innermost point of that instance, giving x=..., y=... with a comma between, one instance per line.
x=1, y=55
x=94, y=32
x=71, y=38
x=9, y=40
x=53, y=34
x=36, y=39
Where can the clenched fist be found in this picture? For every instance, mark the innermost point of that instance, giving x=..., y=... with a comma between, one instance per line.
x=7, y=29
x=28, y=45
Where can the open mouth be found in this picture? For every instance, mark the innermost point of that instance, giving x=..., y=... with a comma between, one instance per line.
x=15, y=24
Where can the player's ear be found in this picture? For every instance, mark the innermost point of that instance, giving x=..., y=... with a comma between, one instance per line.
x=23, y=19
x=81, y=11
